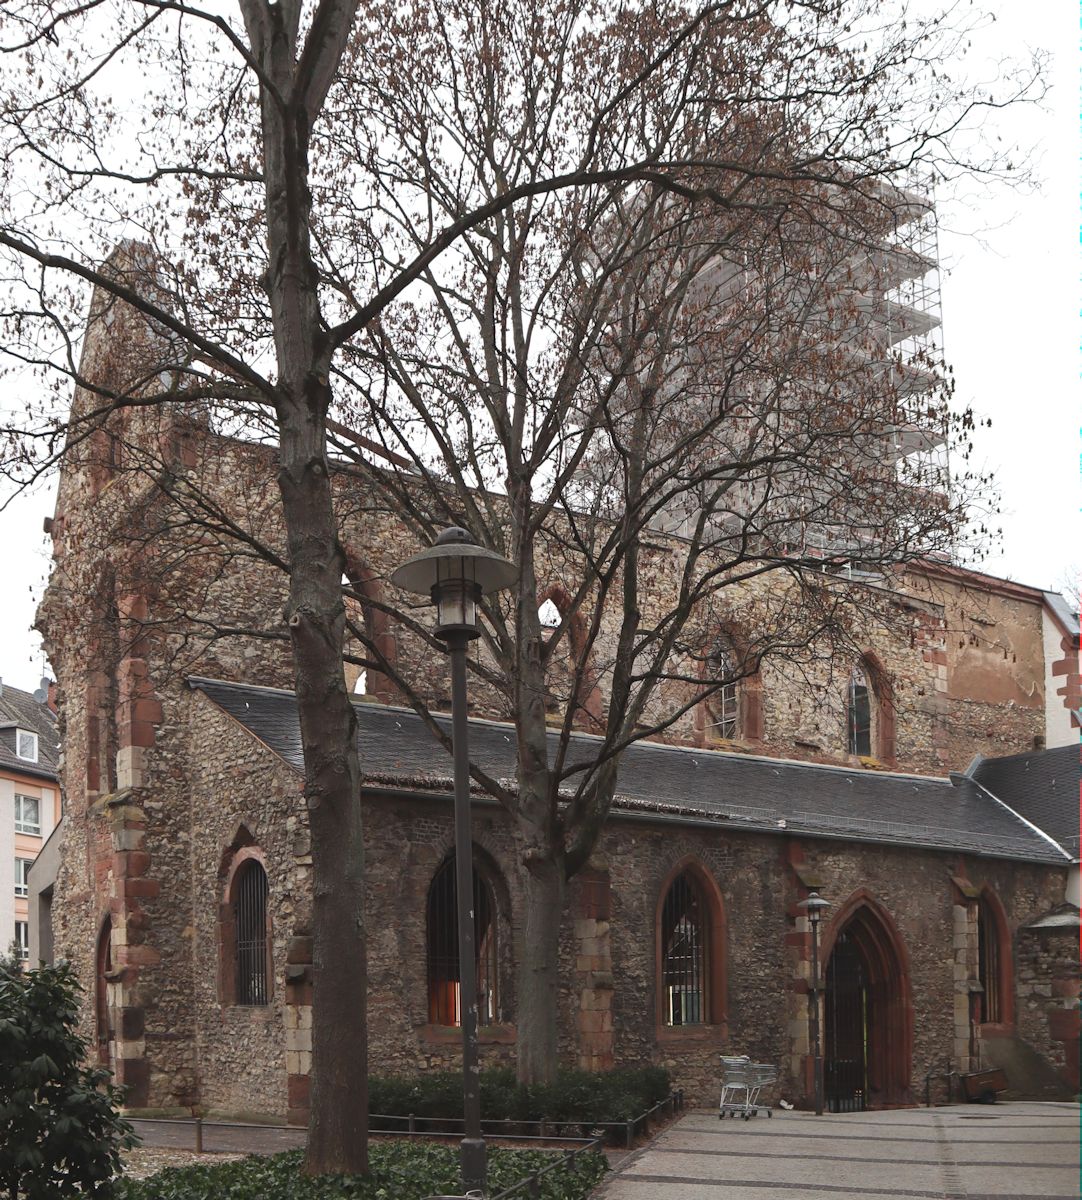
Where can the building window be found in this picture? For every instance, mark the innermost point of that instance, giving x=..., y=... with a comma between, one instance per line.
x=22, y=940
x=723, y=704
x=859, y=714
x=250, y=935
x=27, y=815
x=444, y=1003
x=684, y=954
x=26, y=745
x=994, y=967
x=22, y=872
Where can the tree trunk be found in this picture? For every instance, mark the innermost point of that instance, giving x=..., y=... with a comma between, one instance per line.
x=315, y=612
x=540, y=840
x=539, y=970
x=338, y=1123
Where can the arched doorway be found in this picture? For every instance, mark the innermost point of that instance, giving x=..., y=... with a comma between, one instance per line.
x=868, y=1026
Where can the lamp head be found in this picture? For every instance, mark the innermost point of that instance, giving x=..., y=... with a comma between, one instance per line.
x=814, y=906
x=456, y=573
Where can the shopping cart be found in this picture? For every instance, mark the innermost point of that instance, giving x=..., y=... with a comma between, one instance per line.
x=741, y=1082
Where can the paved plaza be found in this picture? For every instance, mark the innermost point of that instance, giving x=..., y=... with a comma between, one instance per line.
x=977, y=1152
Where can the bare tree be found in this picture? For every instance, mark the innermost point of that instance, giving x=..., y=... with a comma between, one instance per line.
x=488, y=233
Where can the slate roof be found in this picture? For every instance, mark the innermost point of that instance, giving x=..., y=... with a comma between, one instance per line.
x=1066, y=616
x=1042, y=786
x=19, y=710
x=678, y=784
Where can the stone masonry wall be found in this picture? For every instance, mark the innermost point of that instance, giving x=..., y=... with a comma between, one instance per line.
x=239, y=1058
x=1048, y=991
x=163, y=795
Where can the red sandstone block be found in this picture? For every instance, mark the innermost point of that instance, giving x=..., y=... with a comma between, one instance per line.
x=1065, y=987
x=298, y=1088
x=146, y=889
x=1063, y=1024
x=801, y=940
x=132, y=1023
x=131, y=863
x=138, y=956
x=299, y=950
x=147, y=710
x=138, y=733
x=134, y=1074
x=298, y=993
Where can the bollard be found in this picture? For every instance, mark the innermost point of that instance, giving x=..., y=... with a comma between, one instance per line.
x=542, y=1127
x=412, y=1123
x=630, y=1133
x=199, y=1135
x=534, y=1187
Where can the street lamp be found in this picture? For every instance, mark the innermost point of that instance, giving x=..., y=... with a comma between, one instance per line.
x=456, y=573
x=814, y=906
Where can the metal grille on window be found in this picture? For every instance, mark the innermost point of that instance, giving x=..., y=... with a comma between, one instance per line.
x=988, y=964
x=683, y=970
x=860, y=714
x=444, y=1004
x=250, y=927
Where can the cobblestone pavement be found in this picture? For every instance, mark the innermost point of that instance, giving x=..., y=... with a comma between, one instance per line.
x=1006, y=1151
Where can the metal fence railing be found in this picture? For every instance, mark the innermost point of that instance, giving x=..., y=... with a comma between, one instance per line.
x=212, y=1136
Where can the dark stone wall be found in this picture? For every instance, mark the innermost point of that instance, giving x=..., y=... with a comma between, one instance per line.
x=204, y=1051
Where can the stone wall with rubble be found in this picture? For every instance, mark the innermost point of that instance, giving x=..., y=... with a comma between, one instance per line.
x=144, y=593
x=1048, y=973
x=201, y=1050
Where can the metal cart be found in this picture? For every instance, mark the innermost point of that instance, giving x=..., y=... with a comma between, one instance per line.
x=741, y=1082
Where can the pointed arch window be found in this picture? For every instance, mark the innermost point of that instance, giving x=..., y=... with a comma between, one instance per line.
x=442, y=956
x=685, y=954
x=723, y=704
x=570, y=681
x=859, y=713
x=368, y=633
x=250, y=957
x=105, y=1033
x=994, y=966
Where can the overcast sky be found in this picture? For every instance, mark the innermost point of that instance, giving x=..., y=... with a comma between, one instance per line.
x=1010, y=280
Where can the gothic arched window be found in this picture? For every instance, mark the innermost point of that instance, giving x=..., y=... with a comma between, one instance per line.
x=248, y=902
x=684, y=954
x=859, y=713
x=994, y=966
x=441, y=937
x=723, y=704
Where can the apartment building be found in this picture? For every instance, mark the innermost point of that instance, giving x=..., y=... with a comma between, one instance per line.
x=29, y=800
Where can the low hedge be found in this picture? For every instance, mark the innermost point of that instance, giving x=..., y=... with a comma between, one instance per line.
x=575, y=1096
x=399, y=1171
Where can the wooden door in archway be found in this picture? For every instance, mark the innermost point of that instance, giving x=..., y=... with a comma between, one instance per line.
x=867, y=1016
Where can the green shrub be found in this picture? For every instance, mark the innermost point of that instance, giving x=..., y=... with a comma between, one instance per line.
x=399, y=1171
x=578, y=1097
x=60, y=1134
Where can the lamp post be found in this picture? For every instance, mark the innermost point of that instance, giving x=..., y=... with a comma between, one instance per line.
x=814, y=906
x=456, y=573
